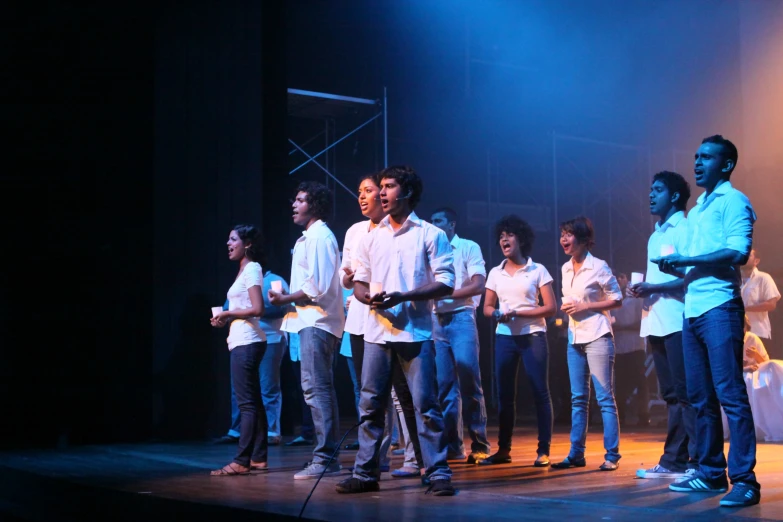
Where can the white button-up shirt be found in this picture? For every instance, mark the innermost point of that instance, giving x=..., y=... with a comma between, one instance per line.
x=357, y=312
x=593, y=282
x=468, y=262
x=415, y=255
x=519, y=292
x=315, y=269
x=662, y=311
x=723, y=220
x=758, y=288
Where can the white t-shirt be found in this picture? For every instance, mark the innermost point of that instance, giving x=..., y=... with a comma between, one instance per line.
x=752, y=341
x=520, y=291
x=247, y=330
x=758, y=288
x=662, y=311
x=468, y=262
x=358, y=311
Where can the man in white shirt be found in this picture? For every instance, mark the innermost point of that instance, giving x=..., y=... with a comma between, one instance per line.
x=457, y=345
x=664, y=301
x=721, y=226
x=760, y=295
x=318, y=319
x=407, y=262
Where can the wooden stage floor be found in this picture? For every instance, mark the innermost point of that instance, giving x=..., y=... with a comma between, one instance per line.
x=156, y=481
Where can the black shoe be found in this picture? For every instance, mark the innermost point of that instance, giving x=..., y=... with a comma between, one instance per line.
x=697, y=483
x=352, y=446
x=354, y=485
x=441, y=488
x=742, y=494
x=226, y=439
x=570, y=463
x=300, y=441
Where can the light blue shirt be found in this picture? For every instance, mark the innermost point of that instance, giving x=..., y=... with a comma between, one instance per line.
x=722, y=220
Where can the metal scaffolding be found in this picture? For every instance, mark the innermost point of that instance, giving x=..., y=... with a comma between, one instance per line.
x=321, y=121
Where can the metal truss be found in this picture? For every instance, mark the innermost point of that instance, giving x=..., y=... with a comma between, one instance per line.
x=330, y=108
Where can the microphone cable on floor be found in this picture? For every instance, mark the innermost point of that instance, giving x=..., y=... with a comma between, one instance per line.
x=328, y=463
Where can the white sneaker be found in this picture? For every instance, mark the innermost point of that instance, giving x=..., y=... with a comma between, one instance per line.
x=659, y=471
x=313, y=471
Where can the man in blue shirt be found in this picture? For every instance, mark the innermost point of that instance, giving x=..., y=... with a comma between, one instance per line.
x=721, y=231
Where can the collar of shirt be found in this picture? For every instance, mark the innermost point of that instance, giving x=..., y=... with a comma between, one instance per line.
x=720, y=190
x=524, y=268
x=674, y=220
x=455, y=241
x=315, y=230
x=587, y=265
x=410, y=221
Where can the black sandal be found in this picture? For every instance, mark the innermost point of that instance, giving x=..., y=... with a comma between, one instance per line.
x=229, y=471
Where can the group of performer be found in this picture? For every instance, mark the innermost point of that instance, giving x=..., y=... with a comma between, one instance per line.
x=414, y=287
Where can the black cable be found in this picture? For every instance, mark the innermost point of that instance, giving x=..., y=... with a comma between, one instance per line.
x=328, y=463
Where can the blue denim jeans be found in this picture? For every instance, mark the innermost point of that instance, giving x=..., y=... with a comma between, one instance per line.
x=244, y=377
x=595, y=359
x=533, y=351
x=272, y=396
x=416, y=362
x=713, y=348
x=679, y=450
x=459, y=380
x=318, y=351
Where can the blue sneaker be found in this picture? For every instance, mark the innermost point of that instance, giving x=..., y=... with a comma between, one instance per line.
x=742, y=494
x=699, y=484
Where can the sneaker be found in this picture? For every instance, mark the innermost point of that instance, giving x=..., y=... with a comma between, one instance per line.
x=352, y=446
x=314, y=470
x=659, y=471
x=441, y=488
x=476, y=457
x=742, y=494
x=300, y=441
x=354, y=485
x=406, y=472
x=497, y=458
x=273, y=440
x=226, y=439
x=398, y=451
x=568, y=463
x=695, y=482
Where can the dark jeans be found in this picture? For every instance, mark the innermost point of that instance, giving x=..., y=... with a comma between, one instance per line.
x=713, y=347
x=533, y=351
x=679, y=450
x=307, y=430
x=247, y=387
x=629, y=376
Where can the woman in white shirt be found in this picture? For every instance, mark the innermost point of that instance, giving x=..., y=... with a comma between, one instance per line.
x=590, y=290
x=517, y=284
x=246, y=343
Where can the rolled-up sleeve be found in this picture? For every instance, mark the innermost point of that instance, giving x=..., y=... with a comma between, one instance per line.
x=363, y=272
x=609, y=284
x=441, y=258
x=322, y=256
x=738, y=219
x=347, y=254
x=475, y=261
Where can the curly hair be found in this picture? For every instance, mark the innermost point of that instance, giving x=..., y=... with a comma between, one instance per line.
x=409, y=181
x=253, y=239
x=676, y=184
x=318, y=197
x=513, y=224
x=582, y=229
